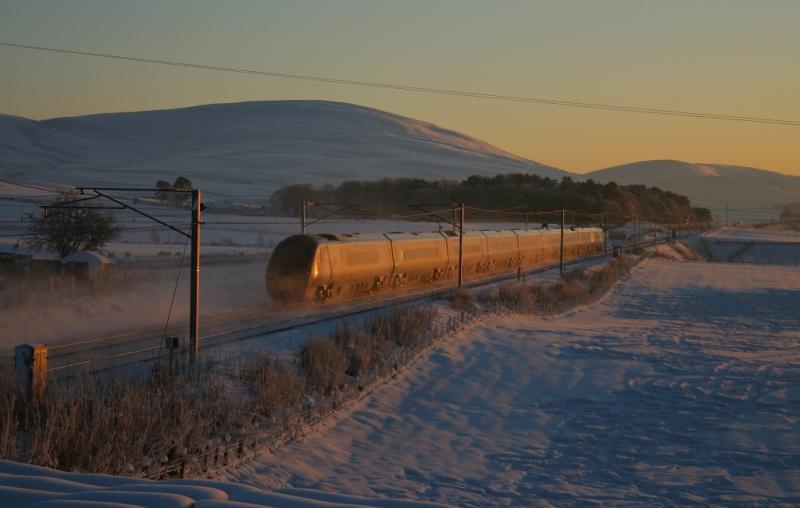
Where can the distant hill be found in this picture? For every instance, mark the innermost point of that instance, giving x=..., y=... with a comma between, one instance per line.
x=714, y=185
x=244, y=149
x=250, y=149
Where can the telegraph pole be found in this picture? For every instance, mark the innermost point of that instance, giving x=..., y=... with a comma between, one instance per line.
x=604, y=227
x=561, y=256
x=303, y=205
x=461, y=246
x=192, y=236
x=194, y=297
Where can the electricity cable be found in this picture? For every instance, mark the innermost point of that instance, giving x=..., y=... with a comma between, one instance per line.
x=418, y=89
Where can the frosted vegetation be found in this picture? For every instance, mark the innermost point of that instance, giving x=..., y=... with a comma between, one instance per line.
x=174, y=419
x=679, y=387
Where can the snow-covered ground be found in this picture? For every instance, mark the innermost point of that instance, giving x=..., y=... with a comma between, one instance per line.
x=680, y=387
x=23, y=486
x=756, y=235
x=758, y=246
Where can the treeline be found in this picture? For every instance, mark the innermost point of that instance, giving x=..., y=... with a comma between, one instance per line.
x=525, y=192
x=166, y=191
x=791, y=212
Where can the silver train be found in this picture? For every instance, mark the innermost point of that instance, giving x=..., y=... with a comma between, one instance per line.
x=328, y=268
x=324, y=268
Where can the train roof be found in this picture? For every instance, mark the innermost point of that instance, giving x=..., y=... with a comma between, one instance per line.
x=437, y=235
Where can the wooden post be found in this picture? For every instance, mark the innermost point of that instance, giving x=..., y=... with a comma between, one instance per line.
x=172, y=344
x=461, y=246
x=194, y=297
x=30, y=364
x=561, y=256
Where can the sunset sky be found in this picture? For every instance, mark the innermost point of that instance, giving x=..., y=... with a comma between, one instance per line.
x=720, y=56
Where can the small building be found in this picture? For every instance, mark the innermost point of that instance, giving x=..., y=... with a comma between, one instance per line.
x=88, y=266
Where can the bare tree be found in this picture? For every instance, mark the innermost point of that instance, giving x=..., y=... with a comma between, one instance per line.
x=68, y=228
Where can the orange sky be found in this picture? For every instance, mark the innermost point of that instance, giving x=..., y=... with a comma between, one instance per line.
x=720, y=56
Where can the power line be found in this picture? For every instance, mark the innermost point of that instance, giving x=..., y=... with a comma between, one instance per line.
x=419, y=89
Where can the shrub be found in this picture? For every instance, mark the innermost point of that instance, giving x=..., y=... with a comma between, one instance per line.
x=360, y=349
x=366, y=354
x=273, y=383
x=516, y=297
x=462, y=300
x=99, y=424
x=324, y=364
x=408, y=327
x=105, y=423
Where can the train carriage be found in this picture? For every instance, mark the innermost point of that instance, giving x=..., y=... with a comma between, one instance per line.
x=320, y=268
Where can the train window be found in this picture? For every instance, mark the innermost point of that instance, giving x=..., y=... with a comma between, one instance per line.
x=420, y=253
x=362, y=258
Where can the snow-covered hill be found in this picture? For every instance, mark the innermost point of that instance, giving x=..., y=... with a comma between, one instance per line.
x=712, y=185
x=249, y=149
x=244, y=149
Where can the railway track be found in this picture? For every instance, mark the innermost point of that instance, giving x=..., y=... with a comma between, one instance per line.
x=69, y=359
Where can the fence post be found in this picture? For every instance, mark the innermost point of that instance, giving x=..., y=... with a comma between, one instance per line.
x=461, y=245
x=172, y=344
x=30, y=365
x=561, y=250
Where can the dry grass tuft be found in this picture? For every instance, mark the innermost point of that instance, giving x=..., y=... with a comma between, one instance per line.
x=462, y=300
x=573, y=288
x=324, y=364
x=274, y=385
x=150, y=421
x=100, y=424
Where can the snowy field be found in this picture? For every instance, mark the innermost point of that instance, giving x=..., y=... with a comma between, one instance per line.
x=756, y=246
x=680, y=387
x=756, y=235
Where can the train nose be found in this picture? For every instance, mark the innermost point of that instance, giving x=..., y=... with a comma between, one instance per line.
x=289, y=268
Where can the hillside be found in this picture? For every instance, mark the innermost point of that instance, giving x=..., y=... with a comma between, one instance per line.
x=244, y=149
x=712, y=185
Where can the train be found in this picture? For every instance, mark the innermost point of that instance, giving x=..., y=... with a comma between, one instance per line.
x=327, y=268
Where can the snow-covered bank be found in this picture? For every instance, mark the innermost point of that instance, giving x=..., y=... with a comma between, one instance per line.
x=679, y=387
x=23, y=486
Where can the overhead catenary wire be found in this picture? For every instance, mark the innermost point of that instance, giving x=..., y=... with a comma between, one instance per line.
x=417, y=89
x=175, y=289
